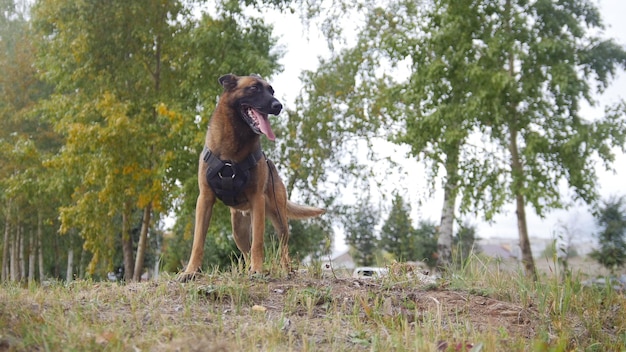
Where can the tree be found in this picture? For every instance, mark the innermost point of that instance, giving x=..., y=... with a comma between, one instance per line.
x=396, y=236
x=430, y=115
x=309, y=238
x=109, y=82
x=26, y=141
x=141, y=75
x=464, y=243
x=360, y=229
x=405, y=242
x=611, y=218
x=445, y=113
x=494, y=95
x=424, y=242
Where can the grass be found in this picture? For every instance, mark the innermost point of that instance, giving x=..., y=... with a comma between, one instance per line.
x=484, y=306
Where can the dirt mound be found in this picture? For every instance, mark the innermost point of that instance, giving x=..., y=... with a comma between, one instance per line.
x=326, y=311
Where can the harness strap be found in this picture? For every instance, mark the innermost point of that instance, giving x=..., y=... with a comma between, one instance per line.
x=227, y=178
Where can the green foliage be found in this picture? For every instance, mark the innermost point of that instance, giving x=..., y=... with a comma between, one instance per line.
x=405, y=242
x=309, y=238
x=424, y=242
x=611, y=217
x=135, y=83
x=493, y=94
x=465, y=243
x=27, y=195
x=335, y=120
x=108, y=117
x=360, y=229
x=396, y=236
x=466, y=88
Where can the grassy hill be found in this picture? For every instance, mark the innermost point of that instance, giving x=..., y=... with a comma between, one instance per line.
x=482, y=307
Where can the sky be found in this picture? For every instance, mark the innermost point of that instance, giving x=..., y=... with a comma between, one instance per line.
x=302, y=49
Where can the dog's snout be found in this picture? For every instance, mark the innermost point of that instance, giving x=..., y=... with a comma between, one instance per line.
x=276, y=106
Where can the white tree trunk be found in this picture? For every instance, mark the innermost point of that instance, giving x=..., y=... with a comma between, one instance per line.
x=42, y=275
x=143, y=241
x=6, y=244
x=14, y=253
x=70, y=264
x=32, y=252
x=22, y=257
x=446, y=229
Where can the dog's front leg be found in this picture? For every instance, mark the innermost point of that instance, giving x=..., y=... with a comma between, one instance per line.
x=258, y=229
x=204, y=210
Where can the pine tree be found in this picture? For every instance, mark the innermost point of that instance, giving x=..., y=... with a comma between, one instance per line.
x=360, y=229
x=464, y=243
x=397, y=233
x=612, y=220
x=423, y=242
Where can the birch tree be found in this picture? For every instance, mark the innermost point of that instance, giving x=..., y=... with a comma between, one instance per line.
x=535, y=64
x=26, y=141
x=493, y=98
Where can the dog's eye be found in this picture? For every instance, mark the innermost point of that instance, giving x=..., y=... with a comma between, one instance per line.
x=253, y=89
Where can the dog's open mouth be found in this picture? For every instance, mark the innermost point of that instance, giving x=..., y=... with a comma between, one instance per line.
x=258, y=121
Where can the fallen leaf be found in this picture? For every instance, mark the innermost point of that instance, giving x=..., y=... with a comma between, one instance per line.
x=104, y=338
x=258, y=308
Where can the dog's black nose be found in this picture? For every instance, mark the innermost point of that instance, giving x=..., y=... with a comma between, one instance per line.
x=276, y=107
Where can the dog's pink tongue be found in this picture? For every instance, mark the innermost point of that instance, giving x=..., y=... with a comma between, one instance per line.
x=264, y=125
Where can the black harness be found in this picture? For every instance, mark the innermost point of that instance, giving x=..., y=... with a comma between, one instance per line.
x=227, y=179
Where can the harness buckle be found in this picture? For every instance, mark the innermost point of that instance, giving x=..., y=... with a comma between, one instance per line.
x=232, y=168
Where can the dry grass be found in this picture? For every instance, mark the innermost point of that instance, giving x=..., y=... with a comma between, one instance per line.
x=483, y=307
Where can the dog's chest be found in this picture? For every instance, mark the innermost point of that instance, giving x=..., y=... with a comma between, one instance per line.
x=228, y=179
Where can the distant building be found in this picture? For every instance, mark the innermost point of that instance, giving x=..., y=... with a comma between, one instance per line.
x=500, y=251
x=340, y=260
x=506, y=248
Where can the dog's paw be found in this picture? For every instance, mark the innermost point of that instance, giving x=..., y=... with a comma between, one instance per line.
x=187, y=276
x=258, y=276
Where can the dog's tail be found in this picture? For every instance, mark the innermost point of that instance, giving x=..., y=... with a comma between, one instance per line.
x=297, y=211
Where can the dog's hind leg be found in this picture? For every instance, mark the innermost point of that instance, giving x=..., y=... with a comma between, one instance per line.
x=276, y=208
x=279, y=220
x=257, y=214
x=277, y=212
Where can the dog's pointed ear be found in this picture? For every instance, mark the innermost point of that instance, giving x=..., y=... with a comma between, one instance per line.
x=228, y=81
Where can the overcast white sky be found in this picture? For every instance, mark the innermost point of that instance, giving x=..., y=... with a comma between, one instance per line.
x=302, y=51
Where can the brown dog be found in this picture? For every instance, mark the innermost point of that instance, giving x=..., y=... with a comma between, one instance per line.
x=233, y=168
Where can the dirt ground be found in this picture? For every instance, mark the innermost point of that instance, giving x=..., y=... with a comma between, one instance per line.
x=311, y=311
x=481, y=312
x=380, y=300
x=418, y=303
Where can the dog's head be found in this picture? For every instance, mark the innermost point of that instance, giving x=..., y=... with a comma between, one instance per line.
x=254, y=99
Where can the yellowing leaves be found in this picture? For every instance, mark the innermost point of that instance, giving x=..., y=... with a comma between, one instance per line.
x=130, y=169
x=175, y=118
x=113, y=111
x=162, y=109
x=152, y=194
x=144, y=200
